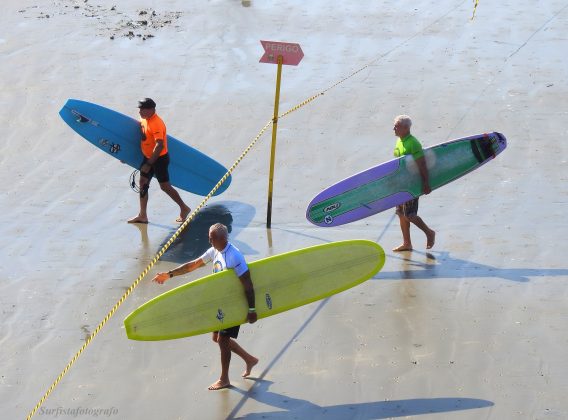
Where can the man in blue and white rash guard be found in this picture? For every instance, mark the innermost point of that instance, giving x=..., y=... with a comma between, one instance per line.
x=224, y=255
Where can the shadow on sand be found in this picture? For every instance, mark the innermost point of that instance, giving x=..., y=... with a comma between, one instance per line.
x=194, y=240
x=418, y=265
x=303, y=409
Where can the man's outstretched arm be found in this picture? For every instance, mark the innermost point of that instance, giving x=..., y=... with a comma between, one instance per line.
x=178, y=271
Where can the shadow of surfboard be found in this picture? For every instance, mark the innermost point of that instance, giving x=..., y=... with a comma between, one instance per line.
x=298, y=408
x=194, y=240
x=454, y=268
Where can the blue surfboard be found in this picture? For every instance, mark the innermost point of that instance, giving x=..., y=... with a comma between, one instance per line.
x=119, y=136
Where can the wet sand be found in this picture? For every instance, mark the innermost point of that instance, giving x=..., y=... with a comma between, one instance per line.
x=474, y=328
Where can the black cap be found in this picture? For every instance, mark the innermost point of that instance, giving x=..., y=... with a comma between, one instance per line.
x=146, y=103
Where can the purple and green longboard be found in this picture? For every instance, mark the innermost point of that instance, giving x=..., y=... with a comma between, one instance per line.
x=397, y=181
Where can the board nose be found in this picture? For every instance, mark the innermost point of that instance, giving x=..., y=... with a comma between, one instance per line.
x=502, y=139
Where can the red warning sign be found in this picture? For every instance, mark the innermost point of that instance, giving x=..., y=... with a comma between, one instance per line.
x=291, y=53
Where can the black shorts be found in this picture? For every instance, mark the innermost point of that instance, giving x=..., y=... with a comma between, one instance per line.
x=410, y=208
x=232, y=332
x=159, y=168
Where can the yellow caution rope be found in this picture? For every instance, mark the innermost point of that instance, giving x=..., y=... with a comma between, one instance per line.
x=475, y=3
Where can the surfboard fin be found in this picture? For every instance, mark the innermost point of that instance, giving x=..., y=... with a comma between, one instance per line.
x=80, y=118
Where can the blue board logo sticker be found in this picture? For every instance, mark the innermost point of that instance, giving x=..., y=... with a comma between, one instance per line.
x=332, y=207
x=328, y=219
x=220, y=315
x=268, y=301
x=112, y=147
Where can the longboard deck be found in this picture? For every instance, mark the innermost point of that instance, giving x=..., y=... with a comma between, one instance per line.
x=281, y=283
x=397, y=181
x=119, y=136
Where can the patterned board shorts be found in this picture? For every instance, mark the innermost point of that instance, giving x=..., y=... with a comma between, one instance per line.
x=410, y=208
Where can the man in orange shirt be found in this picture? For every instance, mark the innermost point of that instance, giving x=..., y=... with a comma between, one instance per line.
x=154, y=147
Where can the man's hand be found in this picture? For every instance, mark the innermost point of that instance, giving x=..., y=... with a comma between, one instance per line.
x=426, y=189
x=161, y=278
x=251, y=317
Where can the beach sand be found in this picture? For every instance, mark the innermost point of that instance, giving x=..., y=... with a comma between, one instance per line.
x=474, y=328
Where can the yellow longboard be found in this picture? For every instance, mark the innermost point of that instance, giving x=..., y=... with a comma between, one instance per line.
x=281, y=283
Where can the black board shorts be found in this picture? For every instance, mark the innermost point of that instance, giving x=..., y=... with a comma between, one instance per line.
x=232, y=332
x=159, y=168
x=410, y=208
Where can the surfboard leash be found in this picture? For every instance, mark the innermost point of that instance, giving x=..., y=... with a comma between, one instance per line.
x=148, y=268
x=132, y=181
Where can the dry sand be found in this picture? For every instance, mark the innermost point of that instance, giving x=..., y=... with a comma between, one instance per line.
x=476, y=328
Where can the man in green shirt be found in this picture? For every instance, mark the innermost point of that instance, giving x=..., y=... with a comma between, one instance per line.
x=407, y=212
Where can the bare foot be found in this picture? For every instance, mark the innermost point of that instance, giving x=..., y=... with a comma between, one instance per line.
x=250, y=365
x=138, y=219
x=219, y=385
x=430, y=239
x=183, y=215
x=402, y=247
